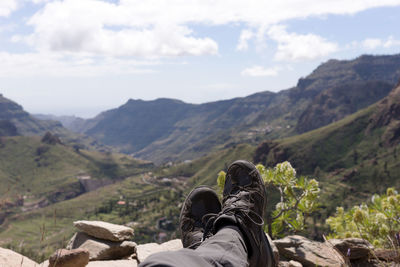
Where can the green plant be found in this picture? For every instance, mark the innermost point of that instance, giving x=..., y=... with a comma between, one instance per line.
x=378, y=221
x=297, y=198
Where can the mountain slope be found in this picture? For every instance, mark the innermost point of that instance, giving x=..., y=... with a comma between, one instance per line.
x=337, y=102
x=168, y=130
x=14, y=121
x=20, y=122
x=45, y=171
x=72, y=123
x=354, y=157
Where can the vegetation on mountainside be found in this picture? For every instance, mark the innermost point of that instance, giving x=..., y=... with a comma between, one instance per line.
x=39, y=175
x=298, y=198
x=354, y=158
x=378, y=221
x=34, y=167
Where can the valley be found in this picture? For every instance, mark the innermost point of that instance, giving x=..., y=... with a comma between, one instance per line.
x=134, y=164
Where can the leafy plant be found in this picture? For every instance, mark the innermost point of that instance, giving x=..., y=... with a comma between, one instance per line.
x=297, y=198
x=378, y=221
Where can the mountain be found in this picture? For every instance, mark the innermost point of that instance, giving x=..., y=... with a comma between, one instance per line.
x=353, y=158
x=15, y=121
x=72, y=123
x=168, y=130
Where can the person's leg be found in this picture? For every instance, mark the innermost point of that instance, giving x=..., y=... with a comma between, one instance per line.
x=181, y=258
x=225, y=248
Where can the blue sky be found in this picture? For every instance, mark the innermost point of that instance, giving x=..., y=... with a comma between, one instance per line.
x=81, y=57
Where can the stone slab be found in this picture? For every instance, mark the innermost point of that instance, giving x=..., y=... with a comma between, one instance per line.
x=105, y=230
x=9, y=258
x=102, y=249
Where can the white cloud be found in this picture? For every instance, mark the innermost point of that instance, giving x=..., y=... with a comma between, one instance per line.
x=259, y=71
x=293, y=46
x=40, y=1
x=374, y=43
x=244, y=38
x=51, y=64
x=371, y=43
x=97, y=32
x=7, y=6
x=89, y=26
x=155, y=28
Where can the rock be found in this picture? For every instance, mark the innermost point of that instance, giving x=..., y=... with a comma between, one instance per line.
x=10, y=258
x=117, y=263
x=387, y=255
x=44, y=264
x=102, y=249
x=145, y=250
x=69, y=258
x=308, y=252
x=275, y=250
x=104, y=230
x=353, y=248
x=295, y=264
x=290, y=264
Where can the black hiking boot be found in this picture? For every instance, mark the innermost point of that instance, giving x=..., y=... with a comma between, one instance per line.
x=201, y=201
x=243, y=205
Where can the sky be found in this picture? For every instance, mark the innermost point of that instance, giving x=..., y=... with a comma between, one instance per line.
x=81, y=57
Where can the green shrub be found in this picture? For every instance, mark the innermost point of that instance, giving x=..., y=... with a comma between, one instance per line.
x=378, y=221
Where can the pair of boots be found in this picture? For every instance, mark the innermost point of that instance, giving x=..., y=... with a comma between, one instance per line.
x=243, y=205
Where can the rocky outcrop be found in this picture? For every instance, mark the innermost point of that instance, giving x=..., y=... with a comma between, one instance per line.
x=353, y=248
x=104, y=230
x=69, y=258
x=388, y=255
x=309, y=253
x=100, y=249
x=10, y=258
x=291, y=251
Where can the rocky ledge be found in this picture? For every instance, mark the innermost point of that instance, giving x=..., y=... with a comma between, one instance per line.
x=100, y=244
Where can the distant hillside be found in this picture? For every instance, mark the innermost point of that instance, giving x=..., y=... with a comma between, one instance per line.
x=168, y=130
x=354, y=157
x=72, y=123
x=40, y=170
x=41, y=176
x=15, y=121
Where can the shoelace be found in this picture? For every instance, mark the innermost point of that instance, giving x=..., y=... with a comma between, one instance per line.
x=208, y=221
x=239, y=210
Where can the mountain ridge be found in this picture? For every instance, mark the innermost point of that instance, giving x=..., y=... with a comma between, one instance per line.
x=175, y=130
